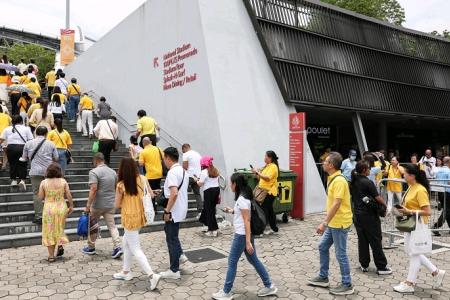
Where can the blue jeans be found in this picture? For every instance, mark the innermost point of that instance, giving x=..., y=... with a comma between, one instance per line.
x=338, y=237
x=62, y=161
x=173, y=244
x=237, y=247
x=74, y=101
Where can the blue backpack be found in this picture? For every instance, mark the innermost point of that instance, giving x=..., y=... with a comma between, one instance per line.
x=83, y=225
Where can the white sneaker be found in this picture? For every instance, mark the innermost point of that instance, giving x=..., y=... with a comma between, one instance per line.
x=154, y=281
x=438, y=279
x=123, y=276
x=268, y=291
x=404, y=288
x=183, y=259
x=211, y=233
x=268, y=232
x=170, y=275
x=14, y=182
x=221, y=295
x=205, y=229
x=22, y=186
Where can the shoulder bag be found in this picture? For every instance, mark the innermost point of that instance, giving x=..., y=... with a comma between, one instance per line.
x=18, y=132
x=259, y=193
x=116, y=144
x=162, y=200
x=68, y=153
x=405, y=223
x=163, y=165
x=149, y=210
x=37, y=149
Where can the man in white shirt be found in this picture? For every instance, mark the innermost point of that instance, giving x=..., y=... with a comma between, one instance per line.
x=175, y=189
x=191, y=163
x=62, y=84
x=429, y=164
x=107, y=132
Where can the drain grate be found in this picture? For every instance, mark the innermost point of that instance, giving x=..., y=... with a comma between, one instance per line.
x=203, y=255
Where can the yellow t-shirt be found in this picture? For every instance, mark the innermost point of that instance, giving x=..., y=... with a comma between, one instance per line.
x=4, y=79
x=51, y=78
x=394, y=174
x=62, y=98
x=5, y=121
x=24, y=79
x=86, y=103
x=151, y=158
x=132, y=208
x=22, y=104
x=415, y=198
x=32, y=108
x=338, y=189
x=379, y=176
x=36, y=88
x=146, y=125
x=62, y=141
x=73, y=89
x=271, y=186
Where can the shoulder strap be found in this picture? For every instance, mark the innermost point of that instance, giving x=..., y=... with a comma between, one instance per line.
x=110, y=129
x=182, y=181
x=18, y=132
x=160, y=155
x=56, y=130
x=328, y=185
x=37, y=149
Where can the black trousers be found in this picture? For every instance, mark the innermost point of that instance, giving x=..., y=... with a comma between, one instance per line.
x=208, y=216
x=105, y=147
x=50, y=92
x=152, y=138
x=17, y=169
x=14, y=99
x=268, y=211
x=445, y=215
x=155, y=184
x=196, y=190
x=368, y=228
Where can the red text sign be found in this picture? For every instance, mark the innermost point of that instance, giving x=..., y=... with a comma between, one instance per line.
x=296, y=160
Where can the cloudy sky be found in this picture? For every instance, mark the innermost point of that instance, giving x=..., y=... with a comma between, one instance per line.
x=96, y=17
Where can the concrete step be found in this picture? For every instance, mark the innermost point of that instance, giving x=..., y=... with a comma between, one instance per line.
x=25, y=196
x=15, y=189
x=35, y=238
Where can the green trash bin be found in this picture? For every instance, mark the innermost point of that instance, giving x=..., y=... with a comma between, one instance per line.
x=286, y=182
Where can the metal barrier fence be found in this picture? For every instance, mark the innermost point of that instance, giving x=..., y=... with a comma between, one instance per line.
x=438, y=203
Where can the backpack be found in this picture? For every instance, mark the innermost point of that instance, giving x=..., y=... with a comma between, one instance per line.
x=258, y=219
x=83, y=225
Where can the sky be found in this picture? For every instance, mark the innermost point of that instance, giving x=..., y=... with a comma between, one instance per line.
x=97, y=17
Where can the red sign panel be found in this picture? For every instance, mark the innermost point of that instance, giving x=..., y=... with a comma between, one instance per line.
x=296, y=160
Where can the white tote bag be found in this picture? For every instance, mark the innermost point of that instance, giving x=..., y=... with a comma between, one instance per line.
x=79, y=125
x=149, y=211
x=420, y=241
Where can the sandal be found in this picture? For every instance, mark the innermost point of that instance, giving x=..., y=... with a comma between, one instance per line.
x=60, y=251
x=51, y=259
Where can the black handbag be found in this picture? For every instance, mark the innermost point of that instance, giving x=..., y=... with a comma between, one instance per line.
x=163, y=165
x=162, y=200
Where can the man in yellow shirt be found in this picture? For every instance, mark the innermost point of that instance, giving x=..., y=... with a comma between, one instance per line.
x=146, y=127
x=35, y=87
x=151, y=159
x=50, y=79
x=73, y=94
x=86, y=107
x=335, y=227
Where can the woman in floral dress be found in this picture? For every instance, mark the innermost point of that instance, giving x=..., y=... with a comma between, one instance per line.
x=53, y=190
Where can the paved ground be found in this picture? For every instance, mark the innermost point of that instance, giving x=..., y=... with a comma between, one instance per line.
x=290, y=256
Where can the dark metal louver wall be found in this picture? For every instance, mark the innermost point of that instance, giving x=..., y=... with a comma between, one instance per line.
x=326, y=57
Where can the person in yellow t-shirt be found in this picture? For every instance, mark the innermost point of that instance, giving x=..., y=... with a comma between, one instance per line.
x=24, y=79
x=150, y=158
x=415, y=161
x=63, y=142
x=5, y=121
x=74, y=94
x=146, y=127
x=57, y=91
x=50, y=79
x=86, y=107
x=268, y=180
x=335, y=227
x=35, y=87
x=24, y=104
x=14, y=96
x=416, y=201
x=394, y=189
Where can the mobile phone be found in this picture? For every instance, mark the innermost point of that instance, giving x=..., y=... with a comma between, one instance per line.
x=251, y=167
x=398, y=206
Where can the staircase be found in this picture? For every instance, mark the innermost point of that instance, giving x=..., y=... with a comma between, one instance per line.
x=16, y=207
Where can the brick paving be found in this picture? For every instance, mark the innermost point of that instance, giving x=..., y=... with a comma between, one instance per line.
x=291, y=258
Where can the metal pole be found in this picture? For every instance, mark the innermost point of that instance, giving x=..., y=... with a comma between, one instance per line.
x=67, y=14
x=359, y=132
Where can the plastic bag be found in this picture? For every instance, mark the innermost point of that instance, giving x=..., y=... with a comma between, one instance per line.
x=149, y=210
x=420, y=241
x=79, y=127
x=95, y=147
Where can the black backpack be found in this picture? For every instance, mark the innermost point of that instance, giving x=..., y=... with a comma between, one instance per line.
x=258, y=219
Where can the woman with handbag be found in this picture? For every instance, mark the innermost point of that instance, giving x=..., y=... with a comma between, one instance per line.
x=129, y=198
x=209, y=182
x=268, y=181
x=416, y=201
x=367, y=205
x=394, y=189
x=63, y=141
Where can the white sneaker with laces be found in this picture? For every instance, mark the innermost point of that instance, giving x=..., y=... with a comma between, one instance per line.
x=123, y=276
x=221, y=295
x=14, y=182
x=183, y=259
x=438, y=279
x=170, y=275
x=404, y=288
x=22, y=185
x=268, y=291
x=154, y=281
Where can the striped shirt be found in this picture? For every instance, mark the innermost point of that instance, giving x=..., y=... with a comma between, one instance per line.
x=46, y=154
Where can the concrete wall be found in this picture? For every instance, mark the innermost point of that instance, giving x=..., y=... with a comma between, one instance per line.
x=233, y=110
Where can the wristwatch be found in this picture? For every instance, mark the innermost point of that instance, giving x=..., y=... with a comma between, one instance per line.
x=167, y=212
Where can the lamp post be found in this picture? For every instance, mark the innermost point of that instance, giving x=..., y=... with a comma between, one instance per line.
x=67, y=14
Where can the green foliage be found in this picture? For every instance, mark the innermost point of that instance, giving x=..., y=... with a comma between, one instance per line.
x=444, y=34
x=385, y=10
x=45, y=59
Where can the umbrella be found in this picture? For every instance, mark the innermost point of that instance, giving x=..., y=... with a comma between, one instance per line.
x=9, y=67
x=20, y=88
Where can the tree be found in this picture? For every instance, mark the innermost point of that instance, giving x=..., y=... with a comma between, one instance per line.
x=444, y=34
x=385, y=10
x=45, y=59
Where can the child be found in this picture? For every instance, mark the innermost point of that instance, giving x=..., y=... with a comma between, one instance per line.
x=134, y=149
